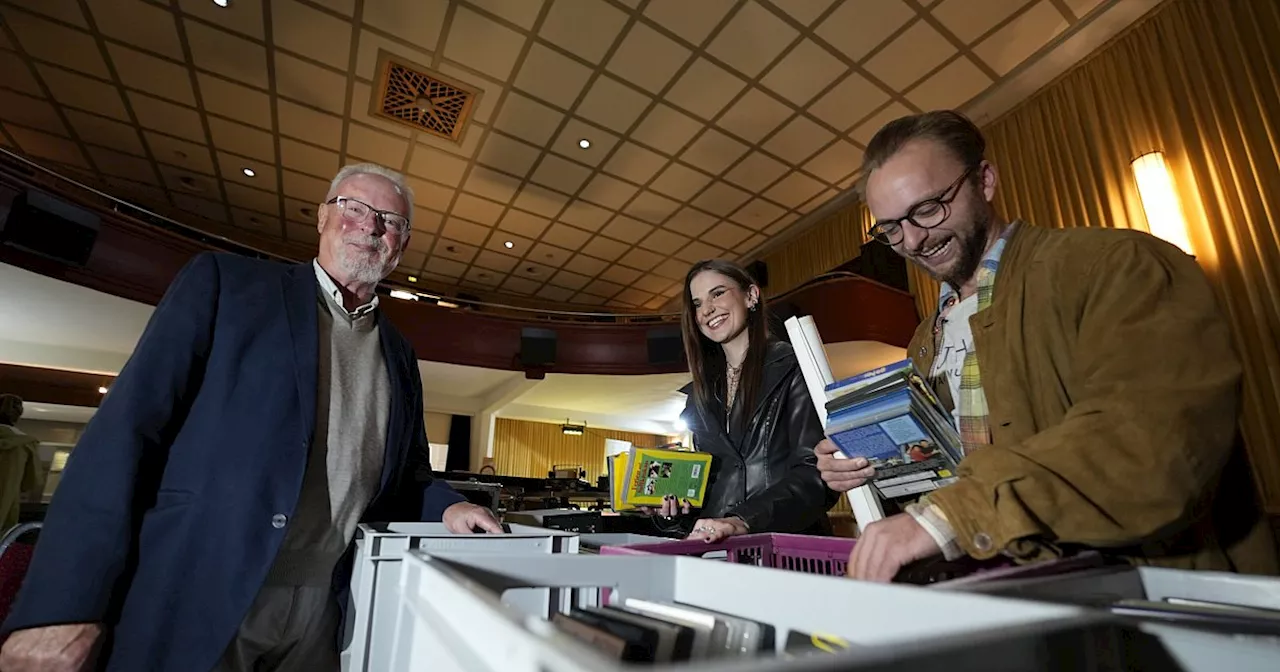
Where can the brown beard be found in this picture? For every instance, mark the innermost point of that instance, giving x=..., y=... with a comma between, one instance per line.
x=972, y=247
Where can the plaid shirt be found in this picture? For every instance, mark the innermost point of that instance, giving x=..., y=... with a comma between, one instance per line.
x=971, y=407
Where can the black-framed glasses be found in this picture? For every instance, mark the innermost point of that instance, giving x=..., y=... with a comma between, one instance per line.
x=926, y=214
x=355, y=211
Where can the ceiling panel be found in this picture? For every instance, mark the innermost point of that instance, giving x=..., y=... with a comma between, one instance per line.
x=612, y=143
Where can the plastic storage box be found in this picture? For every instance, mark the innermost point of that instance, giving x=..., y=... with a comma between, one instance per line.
x=375, y=577
x=797, y=552
x=592, y=543
x=456, y=615
x=1151, y=594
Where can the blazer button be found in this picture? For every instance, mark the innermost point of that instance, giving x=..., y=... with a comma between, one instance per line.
x=982, y=541
x=278, y=520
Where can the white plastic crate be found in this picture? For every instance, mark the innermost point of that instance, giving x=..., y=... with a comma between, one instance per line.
x=375, y=577
x=591, y=543
x=1154, y=589
x=455, y=616
x=1103, y=585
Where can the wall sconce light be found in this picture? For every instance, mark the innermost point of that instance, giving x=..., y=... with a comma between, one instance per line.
x=573, y=430
x=1160, y=200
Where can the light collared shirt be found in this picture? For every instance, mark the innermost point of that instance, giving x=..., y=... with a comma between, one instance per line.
x=330, y=288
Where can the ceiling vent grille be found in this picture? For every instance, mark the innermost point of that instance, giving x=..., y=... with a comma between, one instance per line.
x=421, y=99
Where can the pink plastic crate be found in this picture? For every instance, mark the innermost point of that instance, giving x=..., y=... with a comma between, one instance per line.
x=796, y=552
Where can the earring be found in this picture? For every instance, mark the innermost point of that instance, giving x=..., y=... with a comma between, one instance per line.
x=752, y=307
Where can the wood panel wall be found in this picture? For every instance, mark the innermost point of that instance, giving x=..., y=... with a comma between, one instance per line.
x=525, y=448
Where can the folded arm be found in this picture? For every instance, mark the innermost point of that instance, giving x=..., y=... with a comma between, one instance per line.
x=1154, y=391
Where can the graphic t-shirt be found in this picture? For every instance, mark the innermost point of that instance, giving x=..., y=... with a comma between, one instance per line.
x=957, y=341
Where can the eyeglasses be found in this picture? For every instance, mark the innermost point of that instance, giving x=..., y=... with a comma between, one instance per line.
x=926, y=214
x=355, y=211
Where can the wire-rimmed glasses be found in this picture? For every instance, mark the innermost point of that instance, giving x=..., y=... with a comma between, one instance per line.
x=355, y=211
x=926, y=214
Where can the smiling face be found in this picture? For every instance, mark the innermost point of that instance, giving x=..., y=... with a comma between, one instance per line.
x=925, y=169
x=361, y=252
x=720, y=305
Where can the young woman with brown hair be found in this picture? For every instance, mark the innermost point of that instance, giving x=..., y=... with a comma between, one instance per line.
x=748, y=406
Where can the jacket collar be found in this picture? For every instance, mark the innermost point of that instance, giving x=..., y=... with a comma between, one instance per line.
x=778, y=351
x=986, y=271
x=779, y=360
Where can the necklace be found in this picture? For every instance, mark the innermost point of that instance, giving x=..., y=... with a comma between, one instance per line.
x=734, y=375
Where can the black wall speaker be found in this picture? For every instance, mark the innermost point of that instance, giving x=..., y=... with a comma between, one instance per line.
x=880, y=263
x=665, y=345
x=41, y=224
x=760, y=271
x=537, y=346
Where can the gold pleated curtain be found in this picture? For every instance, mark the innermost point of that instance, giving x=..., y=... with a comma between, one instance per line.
x=530, y=449
x=1200, y=81
x=834, y=240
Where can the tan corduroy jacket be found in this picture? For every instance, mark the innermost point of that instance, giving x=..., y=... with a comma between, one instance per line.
x=1114, y=390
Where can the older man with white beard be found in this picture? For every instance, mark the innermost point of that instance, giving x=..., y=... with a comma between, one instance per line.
x=205, y=519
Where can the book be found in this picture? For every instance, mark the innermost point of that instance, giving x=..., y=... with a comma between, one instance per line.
x=816, y=370
x=644, y=476
x=891, y=417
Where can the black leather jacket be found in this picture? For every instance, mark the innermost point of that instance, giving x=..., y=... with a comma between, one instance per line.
x=764, y=470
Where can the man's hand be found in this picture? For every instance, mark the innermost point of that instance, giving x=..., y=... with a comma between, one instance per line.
x=53, y=648
x=841, y=474
x=712, y=530
x=887, y=545
x=465, y=517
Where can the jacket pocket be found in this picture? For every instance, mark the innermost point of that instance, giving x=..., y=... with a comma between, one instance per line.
x=168, y=498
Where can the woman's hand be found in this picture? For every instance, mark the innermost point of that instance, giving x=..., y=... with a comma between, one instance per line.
x=712, y=530
x=670, y=508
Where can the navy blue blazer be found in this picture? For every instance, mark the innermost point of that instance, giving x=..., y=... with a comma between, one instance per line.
x=169, y=512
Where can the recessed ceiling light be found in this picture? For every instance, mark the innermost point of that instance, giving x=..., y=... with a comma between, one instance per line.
x=413, y=278
x=509, y=244
x=222, y=3
x=248, y=172
x=102, y=390
x=584, y=143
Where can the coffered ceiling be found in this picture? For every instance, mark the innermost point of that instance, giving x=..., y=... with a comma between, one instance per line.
x=713, y=125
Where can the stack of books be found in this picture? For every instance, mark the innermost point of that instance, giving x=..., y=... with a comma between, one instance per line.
x=643, y=631
x=643, y=476
x=812, y=357
x=891, y=417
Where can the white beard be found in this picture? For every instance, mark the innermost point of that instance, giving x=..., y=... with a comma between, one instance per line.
x=362, y=268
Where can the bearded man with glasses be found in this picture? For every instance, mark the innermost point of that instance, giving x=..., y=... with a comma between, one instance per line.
x=1092, y=379
x=205, y=518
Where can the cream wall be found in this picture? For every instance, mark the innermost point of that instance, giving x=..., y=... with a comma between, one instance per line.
x=437, y=426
